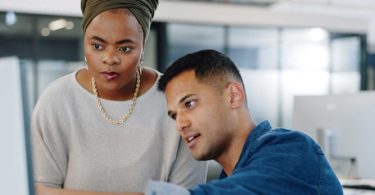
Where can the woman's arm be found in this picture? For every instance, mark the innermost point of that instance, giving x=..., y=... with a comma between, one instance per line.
x=45, y=190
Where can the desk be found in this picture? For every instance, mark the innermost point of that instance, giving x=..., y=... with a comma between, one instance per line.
x=358, y=186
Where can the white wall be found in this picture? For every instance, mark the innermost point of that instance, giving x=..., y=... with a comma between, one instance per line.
x=363, y=9
x=203, y=12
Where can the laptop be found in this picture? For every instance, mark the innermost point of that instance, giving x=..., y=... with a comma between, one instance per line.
x=15, y=160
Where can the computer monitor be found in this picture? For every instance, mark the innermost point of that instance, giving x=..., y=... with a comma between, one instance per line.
x=15, y=159
x=344, y=125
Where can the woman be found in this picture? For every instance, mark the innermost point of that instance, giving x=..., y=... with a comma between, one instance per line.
x=104, y=128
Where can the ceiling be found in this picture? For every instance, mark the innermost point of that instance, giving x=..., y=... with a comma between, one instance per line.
x=341, y=4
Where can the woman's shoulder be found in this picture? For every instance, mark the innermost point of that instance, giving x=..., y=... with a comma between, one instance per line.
x=58, y=88
x=61, y=83
x=149, y=80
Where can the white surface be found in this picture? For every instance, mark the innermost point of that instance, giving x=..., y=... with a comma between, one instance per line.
x=350, y=119
x=358, y=192
x=13, y=166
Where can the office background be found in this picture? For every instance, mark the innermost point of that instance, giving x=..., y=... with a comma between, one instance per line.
x=283, y=48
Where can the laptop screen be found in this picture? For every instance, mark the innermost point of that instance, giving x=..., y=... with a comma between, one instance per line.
x=15, y=159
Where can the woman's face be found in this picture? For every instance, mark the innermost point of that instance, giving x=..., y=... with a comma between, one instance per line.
x=113, y=44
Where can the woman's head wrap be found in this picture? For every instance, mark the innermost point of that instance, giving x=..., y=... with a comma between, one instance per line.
x=143, y=10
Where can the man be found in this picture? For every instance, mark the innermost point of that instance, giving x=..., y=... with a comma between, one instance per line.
x=206, y=97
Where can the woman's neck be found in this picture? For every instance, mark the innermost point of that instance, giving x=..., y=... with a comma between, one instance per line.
x=147, y=80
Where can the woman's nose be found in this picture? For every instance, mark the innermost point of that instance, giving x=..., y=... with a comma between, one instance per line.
x=110, y=57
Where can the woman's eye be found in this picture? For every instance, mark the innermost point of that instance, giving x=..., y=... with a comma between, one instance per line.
x=97, y=46
x=124, y=49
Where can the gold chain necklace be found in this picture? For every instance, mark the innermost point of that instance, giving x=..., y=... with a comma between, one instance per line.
x=130, y=110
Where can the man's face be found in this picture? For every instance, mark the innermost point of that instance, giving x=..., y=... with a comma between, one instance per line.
x=202, y=115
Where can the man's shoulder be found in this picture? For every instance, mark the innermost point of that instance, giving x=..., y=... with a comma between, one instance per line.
x=286, y=141
x=280, y=135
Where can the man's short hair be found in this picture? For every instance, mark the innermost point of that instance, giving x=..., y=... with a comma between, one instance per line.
x=210, y=66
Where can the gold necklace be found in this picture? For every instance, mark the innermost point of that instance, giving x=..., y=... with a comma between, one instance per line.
x=130, y=110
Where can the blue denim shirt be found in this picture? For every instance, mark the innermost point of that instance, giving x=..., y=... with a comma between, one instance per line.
x=276, y=161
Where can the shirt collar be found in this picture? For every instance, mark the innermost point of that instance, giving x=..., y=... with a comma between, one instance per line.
x=255, y=133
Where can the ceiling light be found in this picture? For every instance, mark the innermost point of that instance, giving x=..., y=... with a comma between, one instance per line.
x=318, y=34
x=57, y=24
x=45, y=32
x=69, y=25
x=10, y=18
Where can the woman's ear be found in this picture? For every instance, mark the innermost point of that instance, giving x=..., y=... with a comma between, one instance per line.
x=236, y=93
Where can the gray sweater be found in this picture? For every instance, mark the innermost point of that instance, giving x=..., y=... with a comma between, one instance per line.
x=75, y=148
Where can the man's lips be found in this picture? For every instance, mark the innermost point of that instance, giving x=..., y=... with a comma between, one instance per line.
x=191, y=139
x=110, y=75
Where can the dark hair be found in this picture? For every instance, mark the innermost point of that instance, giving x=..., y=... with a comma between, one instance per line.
x=209, y=65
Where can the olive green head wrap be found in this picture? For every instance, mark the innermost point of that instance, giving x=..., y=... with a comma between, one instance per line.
x=143, y=10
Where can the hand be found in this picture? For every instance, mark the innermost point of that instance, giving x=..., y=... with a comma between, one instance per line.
x=44, y=190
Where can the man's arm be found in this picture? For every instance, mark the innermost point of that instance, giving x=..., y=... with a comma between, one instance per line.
x=45, y=190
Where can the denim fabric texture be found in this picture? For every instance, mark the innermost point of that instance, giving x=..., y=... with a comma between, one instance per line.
x=276, y=161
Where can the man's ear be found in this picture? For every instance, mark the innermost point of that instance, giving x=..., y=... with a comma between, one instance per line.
x=236, y=94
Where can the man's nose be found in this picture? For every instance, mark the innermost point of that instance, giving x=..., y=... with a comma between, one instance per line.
x=182, y=122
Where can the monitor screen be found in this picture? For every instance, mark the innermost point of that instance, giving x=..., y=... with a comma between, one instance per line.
x=15, y=159
x=344, y=126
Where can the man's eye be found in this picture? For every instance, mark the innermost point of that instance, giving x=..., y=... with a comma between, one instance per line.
x=124, y=49
x=173, y=116
x=190, y=104
x=97, y=46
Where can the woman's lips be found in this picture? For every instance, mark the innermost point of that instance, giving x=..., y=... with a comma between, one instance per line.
x=110, y=75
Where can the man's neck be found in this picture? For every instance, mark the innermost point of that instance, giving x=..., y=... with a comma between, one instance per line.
x=231, y=156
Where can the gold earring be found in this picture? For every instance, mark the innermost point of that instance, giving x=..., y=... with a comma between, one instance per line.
x=140, y=66
x=86, y=67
